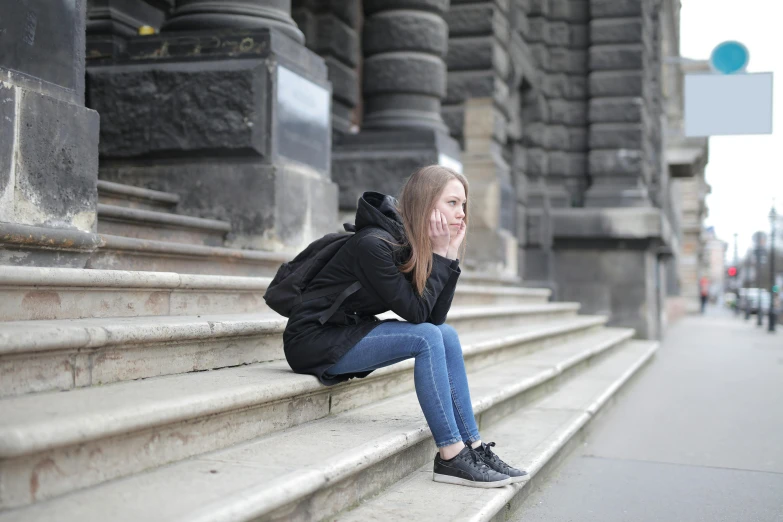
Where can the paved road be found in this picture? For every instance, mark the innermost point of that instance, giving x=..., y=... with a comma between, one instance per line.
x=697, y=437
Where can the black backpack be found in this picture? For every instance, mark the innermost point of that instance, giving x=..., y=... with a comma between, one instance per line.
x=286, y=289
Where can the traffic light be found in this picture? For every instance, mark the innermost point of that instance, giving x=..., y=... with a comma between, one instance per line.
x=732, y=271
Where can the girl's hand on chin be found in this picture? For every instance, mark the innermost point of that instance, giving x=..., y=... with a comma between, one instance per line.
x=456, y=240
x=440, y=235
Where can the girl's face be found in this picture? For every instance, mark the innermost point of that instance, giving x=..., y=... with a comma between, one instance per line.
x=451, y=203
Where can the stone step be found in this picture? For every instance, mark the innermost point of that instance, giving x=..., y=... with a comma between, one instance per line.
x=126, y=253
x=30, y=293
x=309, y=471
x=160, y=226
x=128, y=196
x=39, y=356
x=531, y=438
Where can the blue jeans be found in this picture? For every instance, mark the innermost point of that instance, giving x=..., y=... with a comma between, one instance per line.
x=439, y=373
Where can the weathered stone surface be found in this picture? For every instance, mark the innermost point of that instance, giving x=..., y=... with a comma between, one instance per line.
x=616, y=31
x=475, y=84
x=405, y=31
x=622, y=161
x=539, y=30
x=578, y=36
x=616, y=83
x=540, y=53
x=569, y=87
x=537, y=7
x=477, y=53
x=568, y=164
x=535, y=107
x=334, y=37
x=475, y=20
x=573, y=113
x=141, y=108
x=615, y=8
x=558, y=34
x=270, y=208
x=573, y=61
x=403, y=72
x=436, y=6
x=616, y=57
x=8, y=98
x=616, y=135
x=537, y=162
x=454, y=117
x=345, y=82
x=56, y=163
x=575, y=11
x=616, y=110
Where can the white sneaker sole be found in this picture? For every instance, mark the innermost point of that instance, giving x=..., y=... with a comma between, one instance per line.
x=448, y=479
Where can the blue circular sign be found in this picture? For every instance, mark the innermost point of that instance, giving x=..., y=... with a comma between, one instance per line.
x=729, y=57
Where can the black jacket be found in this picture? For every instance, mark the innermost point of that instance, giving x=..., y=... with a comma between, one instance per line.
x=311, y=347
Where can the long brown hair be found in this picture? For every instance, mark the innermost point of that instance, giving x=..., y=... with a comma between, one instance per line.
x=415, y=204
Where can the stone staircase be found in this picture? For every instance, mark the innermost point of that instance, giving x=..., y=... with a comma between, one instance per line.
x=180, y=405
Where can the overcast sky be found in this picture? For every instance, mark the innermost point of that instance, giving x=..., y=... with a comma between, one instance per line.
x=745, y=172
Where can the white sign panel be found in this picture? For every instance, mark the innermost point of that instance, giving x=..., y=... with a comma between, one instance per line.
x=726, y=104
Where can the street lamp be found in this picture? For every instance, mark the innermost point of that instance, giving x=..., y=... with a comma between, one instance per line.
x=759, y=318
x=773, y=216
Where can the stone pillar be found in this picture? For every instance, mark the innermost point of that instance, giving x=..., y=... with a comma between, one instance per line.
x=48, y=139
x=190, y=15
x=404, y=79
x=622, y=134
x=331, y=29
x=234, y=118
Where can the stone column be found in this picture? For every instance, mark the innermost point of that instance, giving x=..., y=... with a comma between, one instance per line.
x=404, y=80
x=192, y=15
x=48, y=139
x=228, y=109
x=404, y=72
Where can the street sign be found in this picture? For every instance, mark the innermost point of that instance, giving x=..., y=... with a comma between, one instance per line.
x=729, y=58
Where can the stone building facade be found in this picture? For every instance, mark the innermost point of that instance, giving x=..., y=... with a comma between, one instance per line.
x=274, y=115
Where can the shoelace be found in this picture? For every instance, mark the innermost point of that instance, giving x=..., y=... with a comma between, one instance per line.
x=477, y=460
x=492, y=456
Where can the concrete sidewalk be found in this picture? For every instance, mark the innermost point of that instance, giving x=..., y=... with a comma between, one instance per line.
x=698, y=436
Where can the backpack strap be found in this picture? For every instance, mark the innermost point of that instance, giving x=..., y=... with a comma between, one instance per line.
x=347, y=292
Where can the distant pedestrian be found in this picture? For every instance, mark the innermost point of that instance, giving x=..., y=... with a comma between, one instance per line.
x=704, y=291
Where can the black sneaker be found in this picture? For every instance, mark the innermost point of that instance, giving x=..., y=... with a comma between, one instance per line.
x=493, y=461
x=468, y=469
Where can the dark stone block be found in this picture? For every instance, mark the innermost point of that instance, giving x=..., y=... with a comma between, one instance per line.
x=566, y=60
x=537, y=162
x=578, y=36
x=475, y=20
x=405, y=31
x=57, y=163
x=616, y=83
x=475, y=84
x=567, y=164
x=569, y=87
x=614, y=162
x=336, y=38
x=45, y=40
x=477, y=53
x=165, y=109
x=345, y=81
x=537, y=7
x=539, y=30
x=615, y=8
x=540, y=53
x=616, y=57
x=394, y=73
x=616, y=31
x=574, y=11
x=435, y=6
x=535, y=107
x=536, y=135
x=454, y=117
x=616, y=136
x=616, y=110
x=573, y=113
x=576, y=140
x=559, y=34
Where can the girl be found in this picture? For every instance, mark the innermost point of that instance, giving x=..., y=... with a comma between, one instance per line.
x=402, y=258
